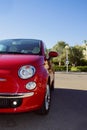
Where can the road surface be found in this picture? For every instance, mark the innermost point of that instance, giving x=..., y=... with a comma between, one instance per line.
x=68, y=108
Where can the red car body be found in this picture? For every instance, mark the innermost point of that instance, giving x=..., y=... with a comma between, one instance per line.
x=21, y=94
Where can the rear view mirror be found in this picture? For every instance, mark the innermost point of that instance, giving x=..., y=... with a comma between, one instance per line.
x=53, y=54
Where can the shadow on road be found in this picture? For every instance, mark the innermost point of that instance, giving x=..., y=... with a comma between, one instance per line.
x=68, y=112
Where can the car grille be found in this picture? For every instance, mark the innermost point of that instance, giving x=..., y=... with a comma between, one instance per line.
x=10, y=103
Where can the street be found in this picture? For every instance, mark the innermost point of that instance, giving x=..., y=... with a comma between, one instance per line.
x=68, y=108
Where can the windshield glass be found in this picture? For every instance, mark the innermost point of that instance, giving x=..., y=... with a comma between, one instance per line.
x=20, y=46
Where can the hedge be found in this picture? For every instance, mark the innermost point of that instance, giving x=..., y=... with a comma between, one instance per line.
x=71, y=68
x=60, y=68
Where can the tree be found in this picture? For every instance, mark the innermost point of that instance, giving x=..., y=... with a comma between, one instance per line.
x=85, y=42
x=85, y=49
x=75, y=55
x=60, y=48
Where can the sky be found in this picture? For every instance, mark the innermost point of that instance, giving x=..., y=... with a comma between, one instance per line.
x=48, y=20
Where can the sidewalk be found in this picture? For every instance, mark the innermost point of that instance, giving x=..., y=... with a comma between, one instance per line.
x=71, y=80
x=64, y=72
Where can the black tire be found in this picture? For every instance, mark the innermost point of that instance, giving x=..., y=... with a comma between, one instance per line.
x=52, y=85
x=46, y=104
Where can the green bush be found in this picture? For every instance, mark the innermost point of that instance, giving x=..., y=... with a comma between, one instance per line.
x=79, y=69
x=82, y=68
x=71, y=68
x=75, y=69
x=60, y=68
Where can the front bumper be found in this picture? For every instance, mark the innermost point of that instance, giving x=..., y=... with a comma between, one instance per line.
x=16, y=95
x=20, y=102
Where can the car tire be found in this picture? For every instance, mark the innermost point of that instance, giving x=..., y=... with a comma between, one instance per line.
x=46, y=104
x=52, y=85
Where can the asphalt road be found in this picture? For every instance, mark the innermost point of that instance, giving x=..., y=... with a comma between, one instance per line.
x=68, y=108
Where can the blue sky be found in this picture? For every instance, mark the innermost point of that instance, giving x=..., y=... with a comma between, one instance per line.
x=49, y=20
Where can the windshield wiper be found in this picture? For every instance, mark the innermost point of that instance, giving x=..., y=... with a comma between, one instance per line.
x=14, y=52
x=10, y=52
x=3, y=52
x=17, y=52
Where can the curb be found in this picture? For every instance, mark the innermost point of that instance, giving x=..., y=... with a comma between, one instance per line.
x=74, y=73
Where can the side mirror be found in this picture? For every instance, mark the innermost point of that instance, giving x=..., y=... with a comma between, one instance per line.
x=53, y=54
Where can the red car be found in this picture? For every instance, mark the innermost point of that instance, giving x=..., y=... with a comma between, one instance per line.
x=26, y=76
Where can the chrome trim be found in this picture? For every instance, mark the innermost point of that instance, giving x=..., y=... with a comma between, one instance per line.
x=2, y=79
x=16, y=95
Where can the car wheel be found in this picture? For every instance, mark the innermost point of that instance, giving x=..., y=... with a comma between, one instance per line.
x=46, y=104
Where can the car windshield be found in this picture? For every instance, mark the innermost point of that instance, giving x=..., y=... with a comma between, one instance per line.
x=20, y=46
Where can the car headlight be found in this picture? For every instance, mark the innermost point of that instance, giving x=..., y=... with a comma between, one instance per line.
x=26, y=71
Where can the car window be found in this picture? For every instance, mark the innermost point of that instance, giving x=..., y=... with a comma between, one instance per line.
x=20, y=46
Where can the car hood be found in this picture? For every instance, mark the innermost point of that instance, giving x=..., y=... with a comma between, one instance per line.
x=12, y=61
